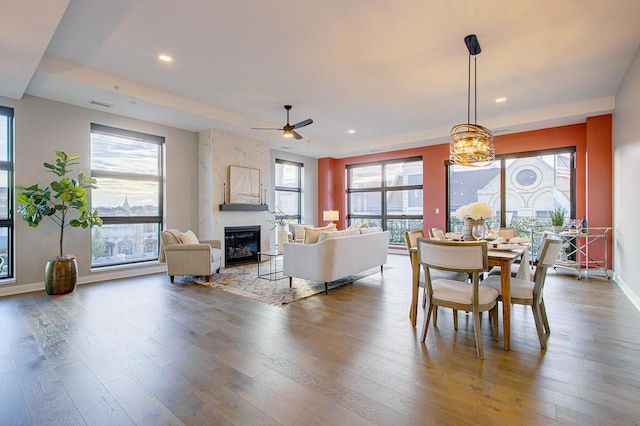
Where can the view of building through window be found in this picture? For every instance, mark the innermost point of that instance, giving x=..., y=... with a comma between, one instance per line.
x=128, y=169
x=386, y=194
x=6, y=193
x=533, y=187
x=288, y=190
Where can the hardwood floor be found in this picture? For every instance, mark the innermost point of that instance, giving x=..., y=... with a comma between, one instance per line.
x=143, y=351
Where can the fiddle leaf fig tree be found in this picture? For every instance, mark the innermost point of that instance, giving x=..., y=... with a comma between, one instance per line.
x=60, y=198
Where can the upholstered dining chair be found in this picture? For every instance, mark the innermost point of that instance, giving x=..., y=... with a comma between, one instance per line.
x=508, y=233
x=436, y=233
x=411, y=238
x=467, y=257
x=527, y=292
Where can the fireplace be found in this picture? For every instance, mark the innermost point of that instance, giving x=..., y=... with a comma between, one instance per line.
x=241, y=244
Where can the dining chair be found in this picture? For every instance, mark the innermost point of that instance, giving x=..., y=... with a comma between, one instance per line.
x=436, y=233
x=508, y=233
x=466, y=257
x=527, y=292
x=411, y=238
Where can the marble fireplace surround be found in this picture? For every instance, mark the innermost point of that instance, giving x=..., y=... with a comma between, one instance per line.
x=217, y=150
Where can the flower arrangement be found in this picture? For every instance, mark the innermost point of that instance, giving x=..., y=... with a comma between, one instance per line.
x=475, y=211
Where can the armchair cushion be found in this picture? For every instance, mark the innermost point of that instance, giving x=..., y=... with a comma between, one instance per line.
x=199, y=258
x=189, y=237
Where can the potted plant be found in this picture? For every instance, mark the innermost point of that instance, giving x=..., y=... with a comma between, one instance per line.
x=280, y=223
x=557, y=218
x=57, y=201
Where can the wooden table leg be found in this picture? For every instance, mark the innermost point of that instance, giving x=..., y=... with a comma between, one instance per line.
x=505, y=282
x=415, y=282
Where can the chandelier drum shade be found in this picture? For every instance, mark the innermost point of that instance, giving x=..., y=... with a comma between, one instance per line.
x=471, y=144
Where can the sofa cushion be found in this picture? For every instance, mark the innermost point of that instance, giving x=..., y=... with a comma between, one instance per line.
x=189, y=237
x=370, y=230
x=298, y=231
x=324, y=235
x=311, y=234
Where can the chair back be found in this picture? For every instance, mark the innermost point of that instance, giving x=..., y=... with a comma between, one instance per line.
x=411, y=237
x=508, y=232
x=468, y=256
x=548, y=254
x=541, y=243
x=436, y=233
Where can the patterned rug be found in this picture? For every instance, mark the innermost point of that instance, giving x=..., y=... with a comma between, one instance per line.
x=243, y=280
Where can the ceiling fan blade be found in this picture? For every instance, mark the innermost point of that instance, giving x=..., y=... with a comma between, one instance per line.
x=266, y=128
x=296, y=134
x=302, y=123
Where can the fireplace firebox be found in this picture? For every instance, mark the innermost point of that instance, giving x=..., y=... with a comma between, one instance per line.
x=241, y=244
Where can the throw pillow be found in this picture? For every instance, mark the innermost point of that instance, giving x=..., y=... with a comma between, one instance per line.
x=189, y=237
x=298, y=233
x=325, y=235
x=311, y=234
x=371, y=230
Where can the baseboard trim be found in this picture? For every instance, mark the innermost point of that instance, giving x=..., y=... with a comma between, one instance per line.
x=627, y=291
x=96, y=276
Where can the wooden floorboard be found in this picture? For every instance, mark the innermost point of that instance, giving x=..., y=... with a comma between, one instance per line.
x=147, y=352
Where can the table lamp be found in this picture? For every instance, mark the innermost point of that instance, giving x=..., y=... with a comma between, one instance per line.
x=330, y=215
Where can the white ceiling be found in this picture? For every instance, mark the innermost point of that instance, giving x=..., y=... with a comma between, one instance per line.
x=395, y=71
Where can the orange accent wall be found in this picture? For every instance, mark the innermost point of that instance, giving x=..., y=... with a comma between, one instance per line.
x=591, y=139
x=599, y=192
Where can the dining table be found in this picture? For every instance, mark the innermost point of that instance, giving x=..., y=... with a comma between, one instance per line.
x=501, y=258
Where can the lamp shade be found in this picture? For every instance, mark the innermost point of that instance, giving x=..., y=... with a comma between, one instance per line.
x=330, y=215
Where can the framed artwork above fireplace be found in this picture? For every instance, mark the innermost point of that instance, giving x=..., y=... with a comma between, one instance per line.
x=244, y=185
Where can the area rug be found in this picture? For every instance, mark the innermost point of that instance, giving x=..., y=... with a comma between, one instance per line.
x=243, y=280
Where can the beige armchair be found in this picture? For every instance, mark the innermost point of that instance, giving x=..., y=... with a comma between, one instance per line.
x=185, y=255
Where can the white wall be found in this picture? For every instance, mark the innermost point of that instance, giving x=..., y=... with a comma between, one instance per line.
x=626, y=175
x=43, y=126
x=217, y=151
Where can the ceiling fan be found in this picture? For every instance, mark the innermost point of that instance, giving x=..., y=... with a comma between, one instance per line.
x=288, y=130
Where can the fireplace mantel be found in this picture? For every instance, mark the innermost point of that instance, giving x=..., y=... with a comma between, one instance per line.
x=243, y=207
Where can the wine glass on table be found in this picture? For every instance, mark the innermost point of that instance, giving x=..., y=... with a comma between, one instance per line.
x=477, y=231
x=495, y=227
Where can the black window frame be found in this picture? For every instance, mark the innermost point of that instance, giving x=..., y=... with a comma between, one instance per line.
x=502, y=158
x=134, y=220
x=8, y=167
x=383, y=189
x=297, y=218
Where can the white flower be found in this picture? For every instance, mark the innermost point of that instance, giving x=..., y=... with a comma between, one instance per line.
x=475, y=211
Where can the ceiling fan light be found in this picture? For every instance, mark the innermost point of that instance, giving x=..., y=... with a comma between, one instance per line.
x=287, y=133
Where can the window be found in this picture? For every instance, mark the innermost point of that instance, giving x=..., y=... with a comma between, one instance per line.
x=526, y=186
x=128, y=168
x=288, y=191
x=386, y=194
x=6, y=192
x=288, y=188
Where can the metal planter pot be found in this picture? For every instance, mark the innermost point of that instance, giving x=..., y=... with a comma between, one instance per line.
x=61, y=275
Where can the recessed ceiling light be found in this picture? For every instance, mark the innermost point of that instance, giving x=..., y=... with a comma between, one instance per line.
x=351, y=131
x=165, y=58
x=500, y=100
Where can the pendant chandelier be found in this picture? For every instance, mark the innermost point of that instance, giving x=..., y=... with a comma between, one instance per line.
x=471, y=144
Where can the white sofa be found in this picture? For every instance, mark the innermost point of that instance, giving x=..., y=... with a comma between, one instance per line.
x=337, y=257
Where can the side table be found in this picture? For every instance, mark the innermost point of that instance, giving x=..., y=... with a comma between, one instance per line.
x=274, y=274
